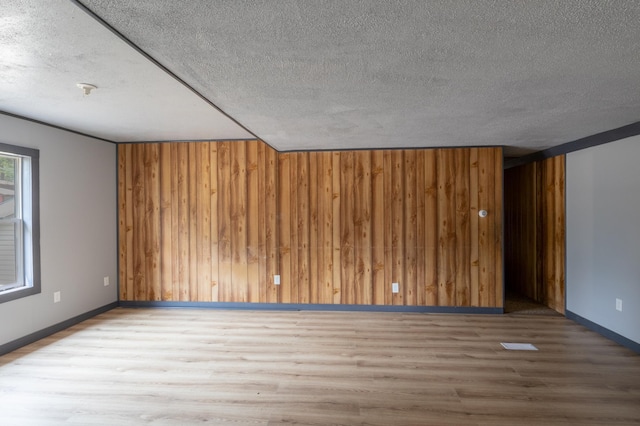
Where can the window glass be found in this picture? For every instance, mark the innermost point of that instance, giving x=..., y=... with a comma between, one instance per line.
x=19, y=227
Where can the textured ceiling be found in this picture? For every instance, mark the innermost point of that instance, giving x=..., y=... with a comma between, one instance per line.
x=359, y=74
x=46, y=47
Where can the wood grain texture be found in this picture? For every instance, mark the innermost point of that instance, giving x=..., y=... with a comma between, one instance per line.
x=474, y=221
x=315, y=251
x=213, y=209
x=166, y=213
x=216, y=221
x=347, y=228
x=410, y=238
x=336, y=225
x=553, y=170
x=447, y=238
x=535, y=231
x=225, y=282
x=194, y=242
x=521, y=219
x=397, y=226
x=378, y=202
x=431, y=266
x=190, y=366
x=284, y=227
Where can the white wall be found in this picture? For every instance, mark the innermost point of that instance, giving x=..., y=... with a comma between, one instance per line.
x=603, y=235
x=78, y=226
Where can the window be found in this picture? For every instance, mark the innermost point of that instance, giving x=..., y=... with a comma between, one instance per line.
x=19, y=222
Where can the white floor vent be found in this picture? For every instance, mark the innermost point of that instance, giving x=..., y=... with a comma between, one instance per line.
x=519, y=346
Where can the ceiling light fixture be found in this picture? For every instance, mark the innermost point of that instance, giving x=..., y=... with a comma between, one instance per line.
x=86, y=88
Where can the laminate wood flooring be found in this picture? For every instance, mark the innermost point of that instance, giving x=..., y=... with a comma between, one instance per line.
x=189, y=366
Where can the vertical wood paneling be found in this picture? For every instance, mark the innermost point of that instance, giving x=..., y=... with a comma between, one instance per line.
x=388, y=230
x=122, y=228
x=347, y=229
x=446, y=228
x=224, y=222
x=284, y=209
x=176, y=284
x=125, y=217
x=420, y=222
x=498, y=285
x=272, y=241
x=431, y=266
x=303, y=227
x=193, y=166
x=462, y=229
x=152, y=221
x=252, y=219
x=139, y=209
x=554, y=232
x=166, y=217
x=522, y=207
x=264, y=273
x=315, y=253
x=336, y=231
x=486, y=228
x=535, y=231
x=410, y=282
x=294, y=236
x=474, y=262
x=213, y=210
x=325, y=211
x=397, y=225
x=377, y=228
x=238, y=214
x=204, y=266
x=215, y=222
x=362, y=228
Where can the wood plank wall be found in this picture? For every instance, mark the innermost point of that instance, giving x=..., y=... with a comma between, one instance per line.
x=215, y=221
x=554, y=232
x=535, y=231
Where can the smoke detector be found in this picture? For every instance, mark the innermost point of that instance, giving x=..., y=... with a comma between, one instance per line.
x=86, y=88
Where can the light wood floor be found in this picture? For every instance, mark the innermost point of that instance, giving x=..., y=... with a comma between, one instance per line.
x=182, y=367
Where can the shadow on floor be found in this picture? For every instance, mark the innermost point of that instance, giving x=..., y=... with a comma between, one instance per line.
x=519, y=304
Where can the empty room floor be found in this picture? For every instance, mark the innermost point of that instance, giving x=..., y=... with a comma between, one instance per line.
x=193, y=366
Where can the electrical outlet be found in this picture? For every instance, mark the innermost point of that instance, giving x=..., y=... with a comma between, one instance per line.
x=106, y=281
x=619, y=305
x=395, y=288
x=56, y=297
x=276, y=279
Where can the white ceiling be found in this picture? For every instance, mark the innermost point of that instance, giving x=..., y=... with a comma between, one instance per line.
x=47, y=47
x=327, y=74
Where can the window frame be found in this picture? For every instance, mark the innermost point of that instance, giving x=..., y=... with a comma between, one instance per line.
x=28, y=196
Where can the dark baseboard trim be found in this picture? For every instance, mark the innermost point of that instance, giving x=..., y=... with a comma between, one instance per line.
x=314, y=307
x=45, y=332
x=611, y=335
x=612, y=135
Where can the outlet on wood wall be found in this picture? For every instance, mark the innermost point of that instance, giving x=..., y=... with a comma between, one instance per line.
x=215, y=221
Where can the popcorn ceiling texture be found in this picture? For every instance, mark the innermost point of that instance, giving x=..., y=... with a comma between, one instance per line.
x=352, y=74
x=385, y=74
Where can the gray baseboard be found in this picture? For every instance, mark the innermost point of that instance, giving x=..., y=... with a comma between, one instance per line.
x=45, y=332
x=314, y=307
x=611, y=335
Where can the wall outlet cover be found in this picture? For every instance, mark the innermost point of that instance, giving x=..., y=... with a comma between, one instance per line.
x=395, y=287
